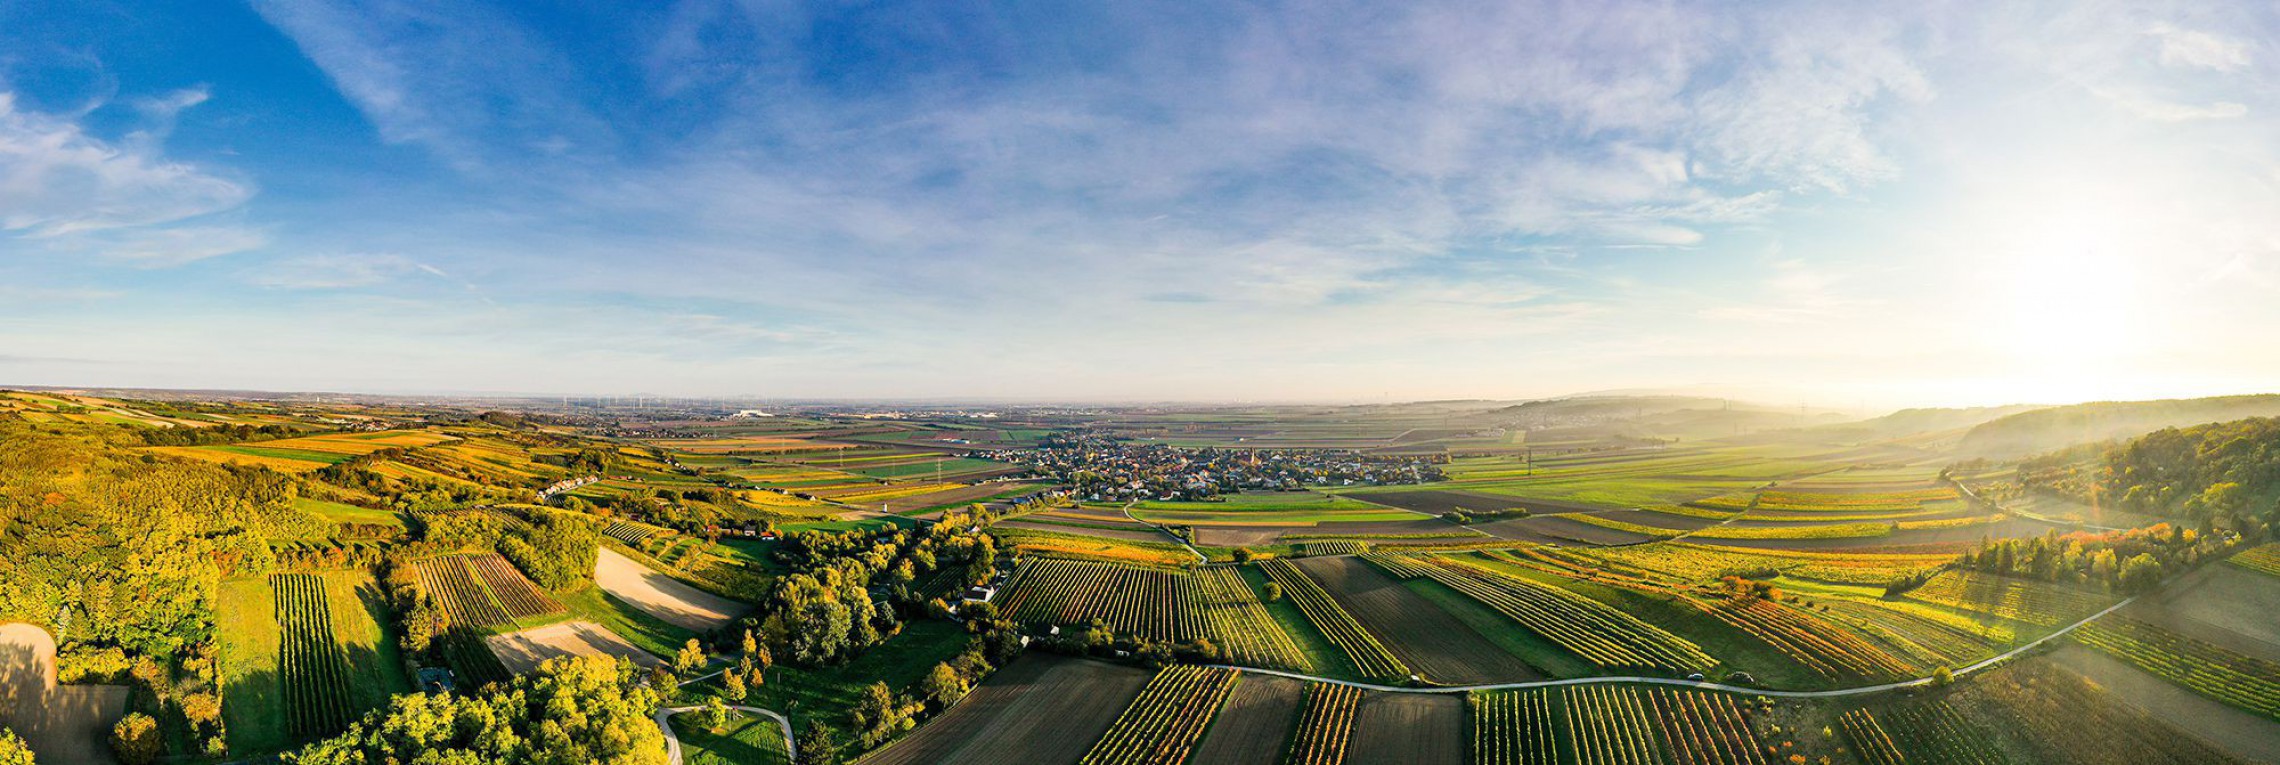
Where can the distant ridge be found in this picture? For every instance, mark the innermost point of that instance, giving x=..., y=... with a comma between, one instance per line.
x=2054, y=428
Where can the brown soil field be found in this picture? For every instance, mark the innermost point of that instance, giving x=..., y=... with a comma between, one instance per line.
x=2245, y=735
x=1428, y=639
x=660, y=595
x=1932, y=540
x=1042, y=709
x=2223, y=604
x=1544, y=528
x=1226, y=537
x=523, y=651
x=1408, y=729
x=1660, y=520
x=1254, y=723
x=62, y=724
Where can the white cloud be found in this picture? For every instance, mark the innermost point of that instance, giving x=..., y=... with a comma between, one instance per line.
x=2190, y=48
x=56, y=180
x=334, y=272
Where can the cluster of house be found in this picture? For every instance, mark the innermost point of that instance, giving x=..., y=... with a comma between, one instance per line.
x=1098, y=468
x=566, y=485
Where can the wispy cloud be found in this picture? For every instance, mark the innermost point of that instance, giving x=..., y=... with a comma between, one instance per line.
x=57, y=180
x=2190, y=48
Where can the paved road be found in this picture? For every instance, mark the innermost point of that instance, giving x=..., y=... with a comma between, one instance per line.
x=1703, y=685
x=673, y=742
x=1127, y=510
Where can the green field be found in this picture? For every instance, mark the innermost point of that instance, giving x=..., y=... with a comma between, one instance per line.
x=748, y=740
x=247, y=625
x=303, y=455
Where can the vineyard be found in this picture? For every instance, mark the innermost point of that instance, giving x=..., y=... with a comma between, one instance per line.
x=311, y=665
x=2228, y=676
x=1704, y=564
x=632, y=533
x=1324, y=725
x=2263, y=559
x=2072, y=720
x=1825, y=648
x=1608, y=725
x=1163, y=724
x=483, y=590
x=1238, y=622
x=1931, y=732
x=1606, y=637
x=1155, y=603
x=2027, y=601
x=1369, y=655
x=1334, y=547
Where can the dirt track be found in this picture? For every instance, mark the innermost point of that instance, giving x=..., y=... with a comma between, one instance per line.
x=63, y=724
x=524, y=651
x=1253, y=724
x=660, y=595
x=1428, y=639
x=1408, y=729
x=1042, y=709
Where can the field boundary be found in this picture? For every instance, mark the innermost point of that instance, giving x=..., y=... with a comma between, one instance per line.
x=1695, y=684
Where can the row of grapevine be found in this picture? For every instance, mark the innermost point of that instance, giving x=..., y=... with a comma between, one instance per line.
x=1334, y=547
x=1593, y=630
x=1933, y=731
x=1869, y=741
x=464, y=599
x=1159, y=604
x=1829, y=650
x=516, y=593
x=1324, y=726
x=2263, y=559
x=2066, y=718
x=1705, y=728
x=2211, y=670
x=1240, y=623
x=1369, y=655
x=1612, y=725
x=630, y=532
x=319, y=693
x=1607, y=726
x=1514, y=728
x=2038, y=603
x=1163, y=724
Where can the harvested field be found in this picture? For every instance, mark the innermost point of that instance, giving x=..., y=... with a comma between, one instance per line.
x=1408, y=729
x=1545, y=528
x=1226, y=537
x=1438, y=501
x=62, y=724
x=2242, y=733
x=660, y=595
x=1431, y=641
x=2226, y=605
x=1253, y=725
x=523, y=651
x=1042, y=709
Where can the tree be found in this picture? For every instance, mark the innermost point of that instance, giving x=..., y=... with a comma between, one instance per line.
x=1270, y=592
x=819, y=744
x=732, y=684
x=942, y=685
x=691, y=658
x=1942, y=677
x=751, y=643
x=1242, y=555
x=13, y=751
x=716, y=715
x=2140, y=573
x=587, y=710
x=135, y=739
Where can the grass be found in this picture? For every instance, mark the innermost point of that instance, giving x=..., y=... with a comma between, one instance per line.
x=252, y=699
x=1527, y=646
x=345, y=513
x=748, y=740
x=639, y=628
x=1320, y=652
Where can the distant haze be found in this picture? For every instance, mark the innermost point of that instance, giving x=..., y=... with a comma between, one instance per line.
x=1855, y=207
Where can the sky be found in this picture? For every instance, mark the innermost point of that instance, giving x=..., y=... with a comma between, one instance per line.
x=1881, y=204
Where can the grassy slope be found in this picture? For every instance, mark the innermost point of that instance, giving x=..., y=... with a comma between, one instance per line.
x=639, y=628
x=748, y=740
x=366, y=633
x=252, y=700
x=1328, y=661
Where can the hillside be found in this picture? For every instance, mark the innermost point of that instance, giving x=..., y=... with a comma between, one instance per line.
x=2054, y=428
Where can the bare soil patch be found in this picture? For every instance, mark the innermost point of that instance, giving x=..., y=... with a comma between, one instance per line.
x=1254, y=724
x=661, y=595
x=523, y=651
x=2245, y=735
x=1408, y=729
x=2223, y=604
x=63, y=724
x=1431, y=641
x=1042, y=709
x=1236, y=537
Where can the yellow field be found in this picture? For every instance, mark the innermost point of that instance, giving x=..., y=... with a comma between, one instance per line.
x=278, y=464
x=732, y=445
x=359, y=443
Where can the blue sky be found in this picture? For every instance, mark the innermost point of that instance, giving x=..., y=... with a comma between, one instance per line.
x=1940, y=203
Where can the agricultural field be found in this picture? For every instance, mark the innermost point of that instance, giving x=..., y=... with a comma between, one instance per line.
x=2243, y=681
x=2037, y=603
x=660, y=595
x=1368, y=655
x=2263, y=560
x=1163, y=724
x=1607, y=638
x=1256, y=724
x=1325, y=725
x=1041, y=710
x=302, y=655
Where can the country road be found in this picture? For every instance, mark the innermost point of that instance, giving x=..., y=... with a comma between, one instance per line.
x=673, y=742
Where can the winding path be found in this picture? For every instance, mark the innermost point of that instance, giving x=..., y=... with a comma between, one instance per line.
x=673, y=742
x=1697, y=684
